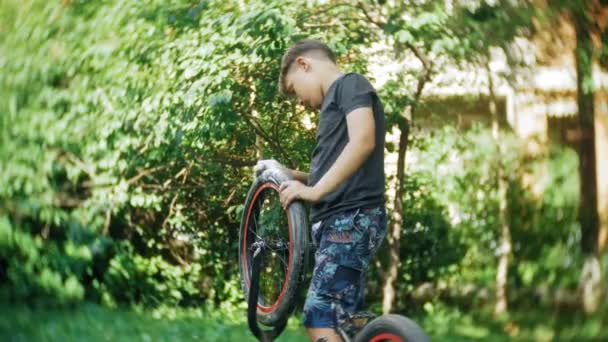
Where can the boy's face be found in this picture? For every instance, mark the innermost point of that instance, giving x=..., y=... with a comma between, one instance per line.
x=304, y=82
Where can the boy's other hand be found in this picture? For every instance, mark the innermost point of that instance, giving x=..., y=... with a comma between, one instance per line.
x=265, y=164
x=292, y=190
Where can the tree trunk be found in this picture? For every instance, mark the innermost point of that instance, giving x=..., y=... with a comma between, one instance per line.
x=259, y=140
x=601, y=152
x=504, y=245
x=587, y=211
x=394, y=233
x=397, y=216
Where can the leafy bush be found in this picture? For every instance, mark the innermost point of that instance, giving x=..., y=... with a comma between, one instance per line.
x=35, y=269
x=541, y=198
x=127, y=135
x=132, y=278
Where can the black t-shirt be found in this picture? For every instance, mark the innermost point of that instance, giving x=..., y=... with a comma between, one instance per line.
x=365, y=188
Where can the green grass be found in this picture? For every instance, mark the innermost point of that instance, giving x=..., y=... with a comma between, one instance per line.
x=535, y=324
x=91, y=322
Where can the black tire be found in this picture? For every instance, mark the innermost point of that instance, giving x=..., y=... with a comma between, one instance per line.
x=277, y=313
x=392, y=328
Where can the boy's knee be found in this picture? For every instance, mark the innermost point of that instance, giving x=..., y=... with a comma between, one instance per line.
x=323, y=335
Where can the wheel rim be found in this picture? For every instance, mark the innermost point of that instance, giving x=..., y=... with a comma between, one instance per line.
x=386, y=337
x=267, y=221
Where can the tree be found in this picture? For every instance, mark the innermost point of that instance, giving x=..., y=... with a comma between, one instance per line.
x=588, y=210
x=581, y=15
x=460, y=35
x=488, y=27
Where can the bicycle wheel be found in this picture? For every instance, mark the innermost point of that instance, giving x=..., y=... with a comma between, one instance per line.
x=282, y=239
x=394, y=328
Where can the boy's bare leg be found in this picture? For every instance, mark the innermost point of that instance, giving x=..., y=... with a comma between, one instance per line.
x=323, y=335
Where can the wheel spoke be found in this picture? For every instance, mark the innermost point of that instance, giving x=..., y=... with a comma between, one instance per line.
x=269, y=228
x=255, y=224
x=282, y=259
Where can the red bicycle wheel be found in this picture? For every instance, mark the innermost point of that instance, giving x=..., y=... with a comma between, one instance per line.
x=281, y=238
x=391, y=328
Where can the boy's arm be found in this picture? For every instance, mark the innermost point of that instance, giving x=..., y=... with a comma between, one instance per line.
x=299, y=175
x=361, y=143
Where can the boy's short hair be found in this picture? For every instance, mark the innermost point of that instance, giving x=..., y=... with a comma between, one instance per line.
x=298, y=49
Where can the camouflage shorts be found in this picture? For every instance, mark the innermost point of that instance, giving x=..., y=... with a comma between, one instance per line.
x=345, y=243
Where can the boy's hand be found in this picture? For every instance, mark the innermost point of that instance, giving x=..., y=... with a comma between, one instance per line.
x=292, y=190
x=263, y=165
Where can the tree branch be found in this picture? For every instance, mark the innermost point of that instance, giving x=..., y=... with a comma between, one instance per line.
x=327, y=8
x=226, y=160
x=144, y=173
x=379, y=23
x=267, y=137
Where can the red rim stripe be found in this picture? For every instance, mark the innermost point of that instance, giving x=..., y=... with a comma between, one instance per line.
x=245, y=265
x=386, y=336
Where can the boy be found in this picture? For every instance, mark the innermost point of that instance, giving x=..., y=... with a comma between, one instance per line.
x=345, y=184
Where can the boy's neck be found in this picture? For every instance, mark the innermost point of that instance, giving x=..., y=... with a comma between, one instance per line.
x=331, y=75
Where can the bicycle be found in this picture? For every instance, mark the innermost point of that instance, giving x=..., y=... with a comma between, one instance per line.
x=274, y=255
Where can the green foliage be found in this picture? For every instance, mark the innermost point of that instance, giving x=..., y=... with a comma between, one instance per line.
x=464, y=165
x=430, y=247
x=36, y=268
x=437, y=250
x=132, y=278
x=129, y=128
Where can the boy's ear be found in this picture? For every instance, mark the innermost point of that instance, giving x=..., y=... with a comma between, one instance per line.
x=302, y=62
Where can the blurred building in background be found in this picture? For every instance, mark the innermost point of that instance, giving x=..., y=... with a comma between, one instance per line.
x=537, y=99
